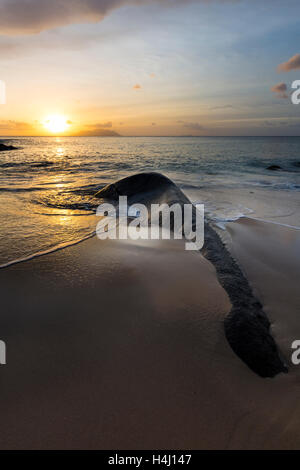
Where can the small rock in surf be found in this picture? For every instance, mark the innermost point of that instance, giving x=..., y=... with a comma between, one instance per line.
x=274, y=167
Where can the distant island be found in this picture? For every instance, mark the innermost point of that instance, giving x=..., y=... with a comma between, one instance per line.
x=97, y=133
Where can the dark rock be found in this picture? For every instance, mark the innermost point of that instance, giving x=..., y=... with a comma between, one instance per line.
x=247, y=327
x=274, y=167
x=137, y=184
x=5, y=148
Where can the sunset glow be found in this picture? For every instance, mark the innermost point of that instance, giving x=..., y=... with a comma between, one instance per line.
x=109, y=80
x=56, y=124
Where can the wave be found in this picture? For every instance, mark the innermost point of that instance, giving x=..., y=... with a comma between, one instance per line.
x=79, y=199
x=221, y=222
x=273, y=185
x=68, y=201
x=48, y=251
x=26, y=164
x=274, y=223
x=20, y=190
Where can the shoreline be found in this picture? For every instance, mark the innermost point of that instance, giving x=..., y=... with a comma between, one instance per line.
x=123, y=343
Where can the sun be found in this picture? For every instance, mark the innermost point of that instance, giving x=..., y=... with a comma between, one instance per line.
x=56, y=124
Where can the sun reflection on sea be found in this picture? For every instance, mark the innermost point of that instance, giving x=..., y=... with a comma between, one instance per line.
x=60, y=151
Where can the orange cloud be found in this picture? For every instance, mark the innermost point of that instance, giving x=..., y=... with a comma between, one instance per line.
x=292, y=64
x=16, y=128
x=137, y=87
x=280, y=89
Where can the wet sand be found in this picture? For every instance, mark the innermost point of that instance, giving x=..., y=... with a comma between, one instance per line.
x=269, y=256
x=121, y=345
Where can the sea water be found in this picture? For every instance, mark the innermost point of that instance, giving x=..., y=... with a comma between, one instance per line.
x=47, y=186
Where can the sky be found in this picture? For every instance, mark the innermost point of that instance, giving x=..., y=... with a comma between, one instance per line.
x=150, y=67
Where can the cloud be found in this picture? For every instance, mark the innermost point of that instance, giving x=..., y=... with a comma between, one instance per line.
x=33, y=16
x=104, y=125
x=58, y=40
x=277, y=124
x=97, y=130
x=269, y=123
x=280, y=89
x=15, y=126
x=225, y=106
x=9, y=49
x=292, y=64
x=137, y=87
x=10, y=127
x=195, y=126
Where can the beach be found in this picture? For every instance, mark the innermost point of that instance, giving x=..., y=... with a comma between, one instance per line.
x=121, y=345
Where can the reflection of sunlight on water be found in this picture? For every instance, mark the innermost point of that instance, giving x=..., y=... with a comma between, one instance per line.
x=66, y=216
x=57, y=180
x=60, y=151
x=65, y=219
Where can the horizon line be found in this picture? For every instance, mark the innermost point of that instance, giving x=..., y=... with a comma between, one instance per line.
x=136, y=136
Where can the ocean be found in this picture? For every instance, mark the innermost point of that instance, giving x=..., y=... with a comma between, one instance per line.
x=47, y=185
